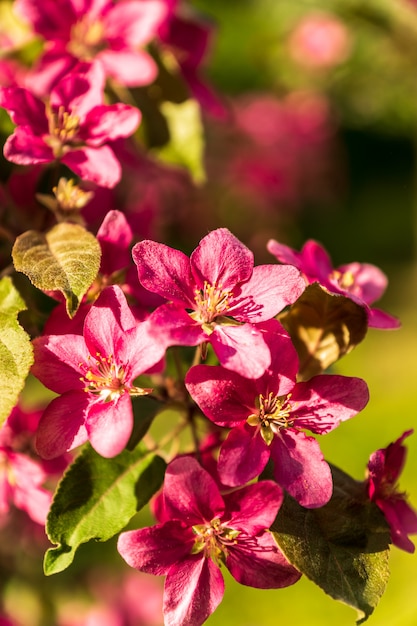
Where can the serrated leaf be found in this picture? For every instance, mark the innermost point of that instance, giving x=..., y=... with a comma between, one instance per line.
x=186, y=143
x=16, y=353
x=96, y=499
x=323, y=327
x=343, y=547
x=65, y=259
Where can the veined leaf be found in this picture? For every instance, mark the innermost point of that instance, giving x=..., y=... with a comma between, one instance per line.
x=342, y=546
x=16, y=354
x=323, y=327
x=65, y=259
x=96, y=499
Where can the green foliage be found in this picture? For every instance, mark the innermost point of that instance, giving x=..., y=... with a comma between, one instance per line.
x=343, y=547
x=16, y=354
x=65, y=259
x=186, y=144
x=96, y=498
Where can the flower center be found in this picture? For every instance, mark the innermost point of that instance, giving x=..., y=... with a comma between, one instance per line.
x=214, y=539
x=273, y=414
x=63, y=129
x=345, y=280
x=211, y=302
x=87, y=39
x=108, y=380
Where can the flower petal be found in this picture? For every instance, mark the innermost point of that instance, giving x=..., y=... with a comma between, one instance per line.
x=132, y=68
x=109, y=425
x=221, y=260
x=61, y=427
x=165, y=271
x=241, y=349
x=57, y=361
x=109, y=122
x=193, y=591
x=24, y=148
x=324, y=401
x=243, y=456
x=190, y=493
x=247, y=509
x=225, y=398
x=155, y=550
x=267, y=292
x=300, y=468
x=24, y=109
x=99, y=165
x=261, y=564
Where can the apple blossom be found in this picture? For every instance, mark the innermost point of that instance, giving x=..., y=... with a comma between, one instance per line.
x=200, y=529
x=268, y=416
x=384, y=468
x=217, y=296
x=94, y=374
x=361, y=282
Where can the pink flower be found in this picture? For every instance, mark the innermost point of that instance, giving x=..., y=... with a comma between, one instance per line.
x=200, y=530
x=94, y=374
x=384, y=468
x=320, y=40
x=217, y=296
x=361, y=282
x=73, y=126
x=104, y=32
x=268, y=415
x=21, y=478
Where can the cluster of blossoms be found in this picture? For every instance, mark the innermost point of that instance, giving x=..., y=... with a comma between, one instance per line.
x=206, y=335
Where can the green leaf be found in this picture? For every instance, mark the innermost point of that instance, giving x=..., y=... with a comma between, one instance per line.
x=96, y=499
x=65, y=259
x=186, y=144
x=16, y=353
x=323, y=327
x=343, y=547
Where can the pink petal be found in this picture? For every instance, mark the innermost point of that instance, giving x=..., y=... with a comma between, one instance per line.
x=221, y=260
x=109, y=122
x=165, y=271
x=109, y=425
x=247, y=509
x=326, y=400
x=382, y=320
x=284, y=253
x=114, y=236
x=241, y=349
x=259, y=563
x=157, y=549
x=300, y=468
x=134, y=23
x=193, y=591
x=224, y=397
x=24, y=148
x=99, y=165
x=243, y=456
x=61, y=427
x=402, y=520
x=190, y=493
x=142, y=348
x=52, y=66
x=267, y=292
x=132, y=68
x=316, y=262
x=24, y=109
x=48, y=17
x=104, y=324
x=176, y=327
x=57, y=361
